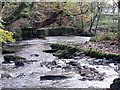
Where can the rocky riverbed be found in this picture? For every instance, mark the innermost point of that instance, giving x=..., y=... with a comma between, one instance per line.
x=47, y=70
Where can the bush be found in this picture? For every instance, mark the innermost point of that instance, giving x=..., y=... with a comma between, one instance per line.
x=104, y=36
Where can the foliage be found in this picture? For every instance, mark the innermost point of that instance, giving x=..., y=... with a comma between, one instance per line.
x=6, y=36
x=17, y=34
x=104, y=36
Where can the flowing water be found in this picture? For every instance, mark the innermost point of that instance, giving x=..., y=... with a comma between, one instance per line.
x=29, y=75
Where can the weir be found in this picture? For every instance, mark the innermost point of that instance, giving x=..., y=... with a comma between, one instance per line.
x=28, y=33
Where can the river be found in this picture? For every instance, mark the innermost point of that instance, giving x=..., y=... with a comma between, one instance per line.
x=29, y=75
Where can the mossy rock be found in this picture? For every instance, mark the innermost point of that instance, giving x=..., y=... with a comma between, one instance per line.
x=62, y=54
x=9, y=58
x=58, y=46
x=64, y=51
x=18, y=58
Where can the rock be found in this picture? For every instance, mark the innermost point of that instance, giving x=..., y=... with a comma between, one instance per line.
x=6, y=75
x=5, y=62
x=74, y=63
x=7, y=51
x=83, y=79
x=90, y=74
x=82, y=74
x=9, y=58
x=53, y=63
x=67, y=68
x=113, y=43
x=62, y=54
x=30, y=61
x=19, y=63
x=116, y=80
x=50, y=51
x=53, y=77
x=116, y=84
x=36, y=55
x=77, y=57
x=80, y=54
x=58, y=66
x=21, y=75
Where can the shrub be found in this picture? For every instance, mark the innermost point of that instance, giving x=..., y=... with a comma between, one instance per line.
x=104, y=36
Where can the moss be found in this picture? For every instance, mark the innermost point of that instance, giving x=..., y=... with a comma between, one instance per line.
x=68, y=51
x=18, y=58
x=64, y=51
x=62, y=54
x=100, y=55
x=58, y=46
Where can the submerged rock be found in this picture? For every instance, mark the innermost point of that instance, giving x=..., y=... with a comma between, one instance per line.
x=74, y=63
x=53, y=77
x=5, y=62
x=36, y=55
x=91, y=74
x=49, y=64
x=21, y=75
x=19, y=63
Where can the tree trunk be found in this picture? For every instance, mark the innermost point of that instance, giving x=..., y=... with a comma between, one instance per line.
x=48, y=21
x=98, y=18
x=92, y=22
x=119, y=24
x=15, y=15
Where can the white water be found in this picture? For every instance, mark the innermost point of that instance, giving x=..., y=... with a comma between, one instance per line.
x=33, y=71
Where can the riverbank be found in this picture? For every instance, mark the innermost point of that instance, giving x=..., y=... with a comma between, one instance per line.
x=109, y=47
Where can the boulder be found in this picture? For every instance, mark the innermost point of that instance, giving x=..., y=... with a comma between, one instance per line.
x=7, y=51
x=53, y=77
x=116, y=84
x=9, y=58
